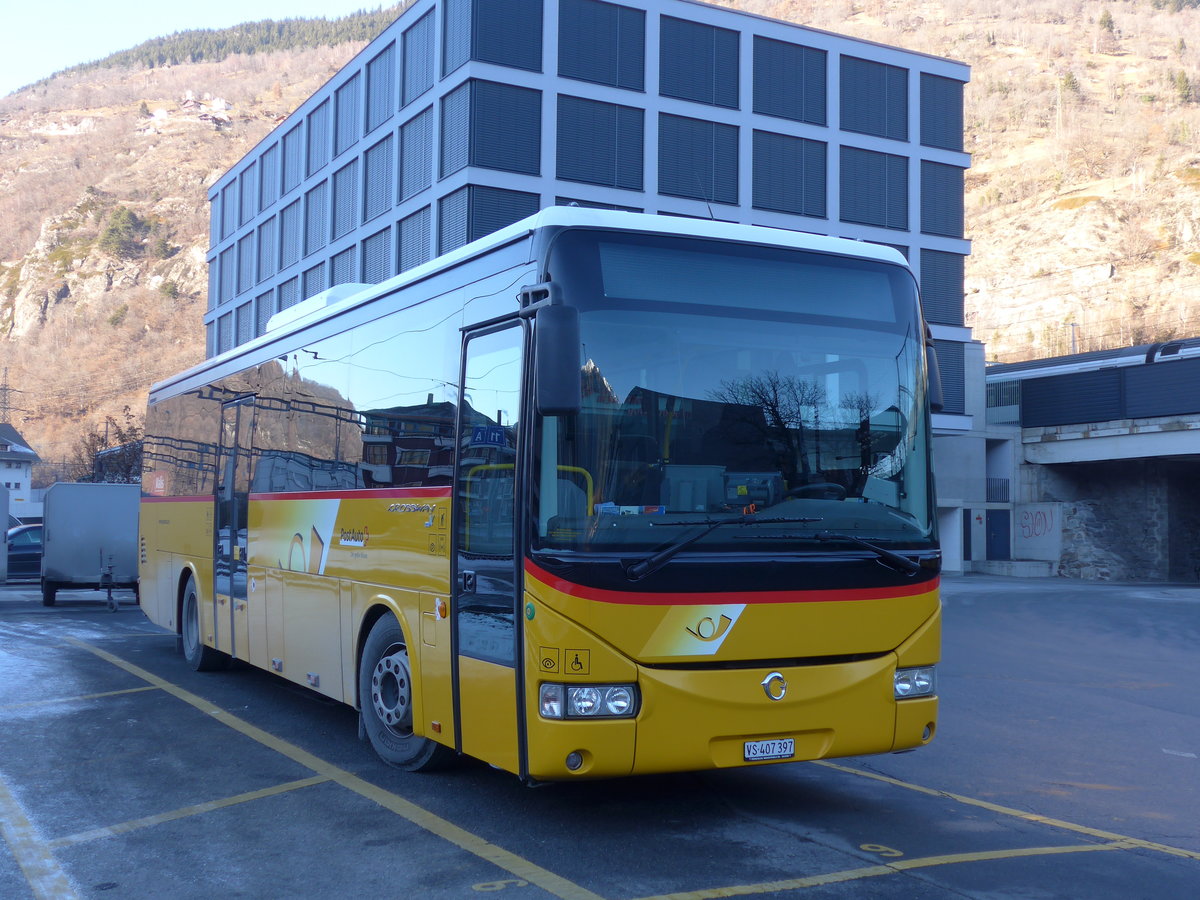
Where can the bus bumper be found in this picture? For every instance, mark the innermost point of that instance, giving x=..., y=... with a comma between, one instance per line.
x=704, y=719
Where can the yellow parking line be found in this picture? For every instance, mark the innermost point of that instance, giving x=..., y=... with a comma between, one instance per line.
x=520, y=867
x=96, y=834
x=891, y=868
x=136, y=690
x=41, y=870
x=1016, y=813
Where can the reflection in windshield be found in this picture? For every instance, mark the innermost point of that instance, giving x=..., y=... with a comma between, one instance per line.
x=695, y=410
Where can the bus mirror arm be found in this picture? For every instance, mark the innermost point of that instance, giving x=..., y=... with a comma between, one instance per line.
x=937, y=400
x=556, y=360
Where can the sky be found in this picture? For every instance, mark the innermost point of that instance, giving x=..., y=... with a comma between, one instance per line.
x=37, y=44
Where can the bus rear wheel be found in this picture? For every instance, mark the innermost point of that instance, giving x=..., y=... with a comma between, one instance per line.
x=385, y=691
x=198, y=656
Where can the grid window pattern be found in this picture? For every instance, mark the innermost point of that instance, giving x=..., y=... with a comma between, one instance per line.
x=452, y=219
x=874, y=98
x=318, y=138
x=942, y=286
x=264, y=308
x=377, y=257
x=456, y=130
x=293, y=158
x=228, y=274
x=348, y=99
x=244, y=322
x=290, y=235
x=789, y=81
x=314, y=280
x=377, y=179
x=506, y=127
x=493, y=125
x=951, y=357
x=229, y=209
x=316, y=218
x=341, y=267
x=414, y=239
x=942, y=199
x=349, y=163
x=941, y=112
x=416, y=154
x=268, y=177
x=508, y=33
x=214, y=282
x=289, y=293
x=602, y=42
x=381, y=87
x=345, y=199
x=248, y=187
x=477, y=210
x=698, y=62
x=789, y=174
x=246, y=271
x=494, y=208
x=418, y=58
x=456, y=34
x=874, y=188
x=697, y=159
x=600, y=143
x=225, y=333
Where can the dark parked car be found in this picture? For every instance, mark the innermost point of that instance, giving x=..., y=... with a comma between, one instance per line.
x=25, y=551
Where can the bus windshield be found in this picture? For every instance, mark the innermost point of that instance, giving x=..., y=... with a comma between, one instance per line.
x=771, y=387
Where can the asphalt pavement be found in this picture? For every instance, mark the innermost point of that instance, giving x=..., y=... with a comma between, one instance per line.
x=1067, y=764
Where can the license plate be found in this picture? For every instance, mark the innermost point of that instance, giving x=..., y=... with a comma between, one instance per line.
x=783, y=748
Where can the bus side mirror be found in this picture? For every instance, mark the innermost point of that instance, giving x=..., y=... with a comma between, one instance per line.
x=556, y=357
x=937, y=399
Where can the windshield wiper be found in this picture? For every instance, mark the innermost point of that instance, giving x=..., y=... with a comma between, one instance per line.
x=636, y=571
x=887, y=557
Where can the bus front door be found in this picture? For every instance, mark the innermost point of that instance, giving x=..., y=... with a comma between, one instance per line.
x=229, y=562
x=486, y=583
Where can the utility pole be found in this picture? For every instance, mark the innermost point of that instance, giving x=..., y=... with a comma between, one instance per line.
x=5, y=408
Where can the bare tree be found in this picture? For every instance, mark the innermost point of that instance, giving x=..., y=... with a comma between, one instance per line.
x=112, y=455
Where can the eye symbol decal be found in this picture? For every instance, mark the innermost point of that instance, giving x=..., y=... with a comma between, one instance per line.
x=709, y=630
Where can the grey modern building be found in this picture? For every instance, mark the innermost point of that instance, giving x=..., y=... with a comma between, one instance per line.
x=464, y=116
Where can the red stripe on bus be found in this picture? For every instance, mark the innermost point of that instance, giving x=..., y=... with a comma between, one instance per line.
x=841, y=595
x=194, y=498
x=424, y=493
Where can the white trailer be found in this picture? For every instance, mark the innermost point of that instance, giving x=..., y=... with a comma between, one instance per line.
x=89, y=536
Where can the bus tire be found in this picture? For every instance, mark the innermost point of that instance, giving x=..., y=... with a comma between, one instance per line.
x=49, y=589
x=385, y=696
x=198, y=656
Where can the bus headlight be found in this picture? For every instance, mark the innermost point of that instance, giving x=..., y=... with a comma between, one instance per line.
x=915, y=682
x=587, y=701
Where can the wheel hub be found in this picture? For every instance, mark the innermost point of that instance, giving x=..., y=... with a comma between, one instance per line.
x=391, y=690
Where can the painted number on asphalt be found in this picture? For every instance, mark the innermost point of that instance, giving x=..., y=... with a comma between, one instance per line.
x=489, y=886
x=880, y=850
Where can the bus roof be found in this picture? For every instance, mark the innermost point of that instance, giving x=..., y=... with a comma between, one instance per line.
x=342, y=297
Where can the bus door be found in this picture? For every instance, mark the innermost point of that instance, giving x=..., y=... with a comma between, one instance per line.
x=229, y=563
x=486, y=596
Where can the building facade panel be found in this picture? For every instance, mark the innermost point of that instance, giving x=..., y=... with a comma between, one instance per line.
x=464, y=114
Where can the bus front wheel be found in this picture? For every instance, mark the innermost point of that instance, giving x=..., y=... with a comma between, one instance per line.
x=198, y=656
x=385, y=691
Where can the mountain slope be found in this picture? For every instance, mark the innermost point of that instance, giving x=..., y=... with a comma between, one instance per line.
x=1083, y=201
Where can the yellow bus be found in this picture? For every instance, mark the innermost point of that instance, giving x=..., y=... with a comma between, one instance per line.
x=598, y=494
